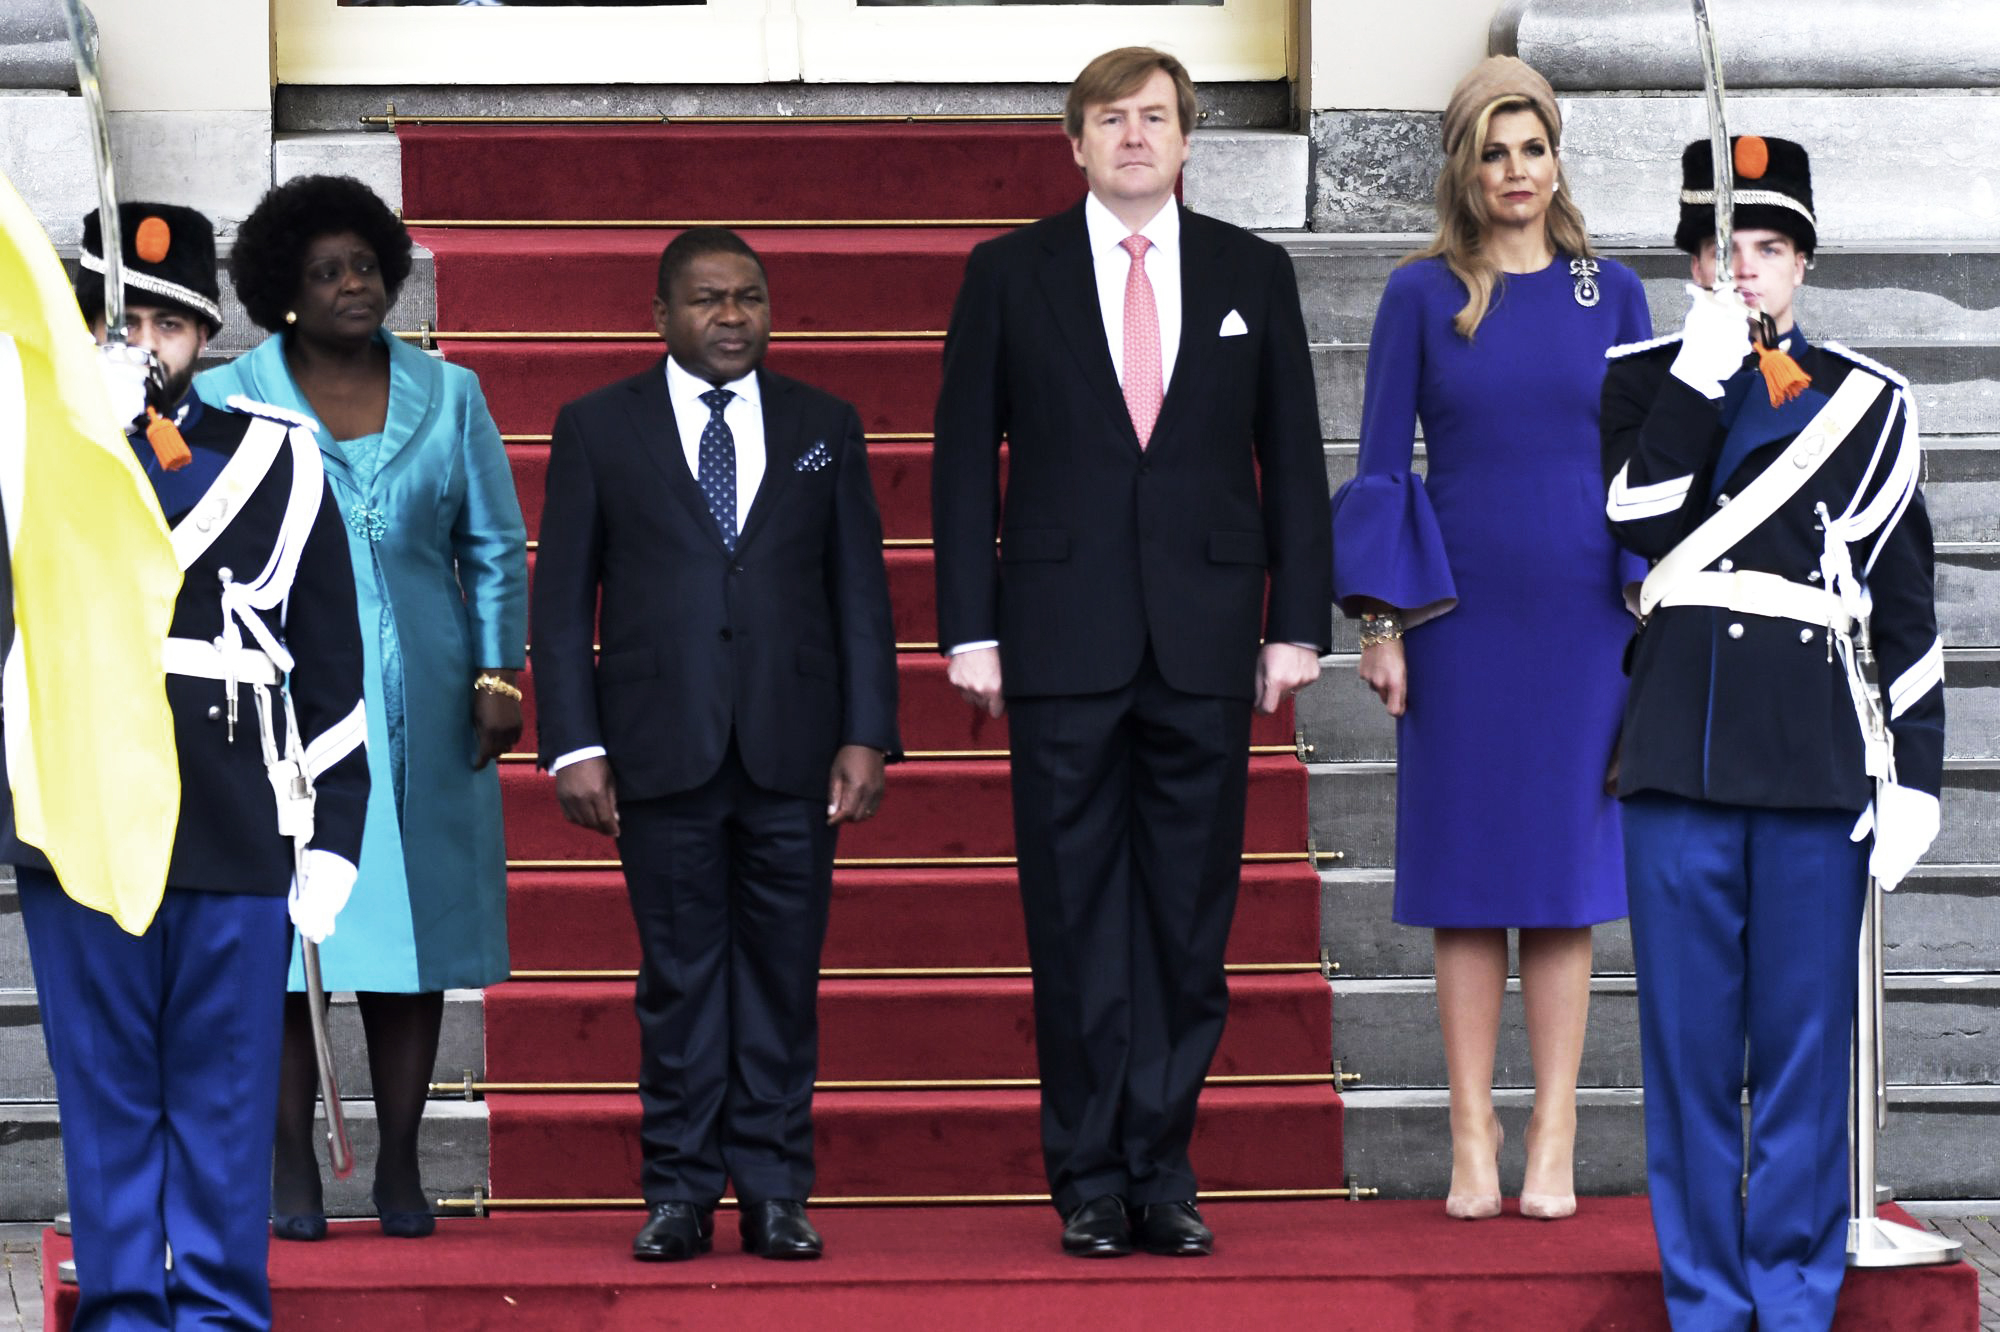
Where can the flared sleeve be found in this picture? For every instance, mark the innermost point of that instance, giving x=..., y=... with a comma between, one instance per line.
x=1386, y=543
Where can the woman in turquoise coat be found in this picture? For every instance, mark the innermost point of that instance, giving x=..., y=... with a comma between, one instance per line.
x=440, y=566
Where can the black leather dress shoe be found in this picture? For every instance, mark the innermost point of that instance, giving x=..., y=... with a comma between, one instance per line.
x=1173, y=1229
x=779, y=1230
x=1098, y=1229
x=674, y=1232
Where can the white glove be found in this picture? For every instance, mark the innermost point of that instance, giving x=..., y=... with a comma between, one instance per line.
x=1714, y=340
x=1905, y=822
x=126, y=370
x=319, y=897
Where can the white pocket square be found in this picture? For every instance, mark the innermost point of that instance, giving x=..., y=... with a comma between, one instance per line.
x=1233, y=326
x=814, y=458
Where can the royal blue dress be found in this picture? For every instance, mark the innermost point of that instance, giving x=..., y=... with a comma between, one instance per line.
x=1511, y=587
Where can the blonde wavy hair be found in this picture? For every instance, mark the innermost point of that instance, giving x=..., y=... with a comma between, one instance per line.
x=1462, y=219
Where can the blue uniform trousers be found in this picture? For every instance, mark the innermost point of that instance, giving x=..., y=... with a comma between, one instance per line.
x=165, y=1048
x=1745, y=926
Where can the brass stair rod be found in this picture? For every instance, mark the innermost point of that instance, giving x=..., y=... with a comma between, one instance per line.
x=939, y=862
x=949, y=755
x=896, y=973
x=394, y=117
x=428, y=335
x=466, y=1090
x=481, y=1204
x=736, y=223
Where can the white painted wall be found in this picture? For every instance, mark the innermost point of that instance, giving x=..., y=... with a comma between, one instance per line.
x=1388, y=55
x=185, y=55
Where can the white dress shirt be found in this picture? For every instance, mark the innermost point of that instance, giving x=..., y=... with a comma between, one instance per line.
x=744, y=414
x=1113, y=266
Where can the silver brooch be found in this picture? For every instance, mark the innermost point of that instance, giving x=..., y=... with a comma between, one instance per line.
x=1585, y=273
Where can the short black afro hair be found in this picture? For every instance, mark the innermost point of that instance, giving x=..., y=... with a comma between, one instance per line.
x=696, y=243
x=268, y=259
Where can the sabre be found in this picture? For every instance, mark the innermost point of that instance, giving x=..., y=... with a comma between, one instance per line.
x=83, y=41
x=1718, y=142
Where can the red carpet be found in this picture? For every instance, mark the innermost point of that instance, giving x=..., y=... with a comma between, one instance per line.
x=892, y=384
x=590, y=280
x=917, y=1144
x=932, y=811
x=736, y=173
x=1381, y=1266
x=936, y=723
x=937, y=917
x=886, y=1029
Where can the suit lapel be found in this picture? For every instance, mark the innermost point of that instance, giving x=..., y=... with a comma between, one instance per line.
x=659, y=437
x=1069, y=281
x=1204, y=294
x=784, y=442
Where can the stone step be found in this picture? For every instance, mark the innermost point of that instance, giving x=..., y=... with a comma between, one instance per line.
x=1354, y=813
x=1939, y=1143
x=1961, y=483
x=25, y=1074
x=1376, y=171
x=1341, y=720
x=1885, y=291
x=1943, y=919
x=1941, y=1031
x=1956, y=385
x=1967, y=591
x=452, y=1144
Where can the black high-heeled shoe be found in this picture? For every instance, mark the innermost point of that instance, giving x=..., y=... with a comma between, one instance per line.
x=402, y=1225
x=304, y=1227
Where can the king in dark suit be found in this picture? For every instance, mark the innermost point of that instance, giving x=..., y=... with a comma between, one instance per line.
x=1163, y=566
x=740, y=708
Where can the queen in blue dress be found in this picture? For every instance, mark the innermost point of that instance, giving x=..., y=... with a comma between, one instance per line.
x=1491, y=597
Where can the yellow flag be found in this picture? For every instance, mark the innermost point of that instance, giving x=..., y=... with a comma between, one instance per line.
x=90, y=739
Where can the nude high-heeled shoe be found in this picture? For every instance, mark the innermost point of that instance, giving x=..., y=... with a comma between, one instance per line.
x=1542, y=1206
x=1481, y=1206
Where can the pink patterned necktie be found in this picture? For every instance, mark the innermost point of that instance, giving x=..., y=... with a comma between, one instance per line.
x=1143, y=389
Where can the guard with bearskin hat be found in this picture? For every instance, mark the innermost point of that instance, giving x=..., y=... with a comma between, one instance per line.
x=165, y=1044
x=1783, y=740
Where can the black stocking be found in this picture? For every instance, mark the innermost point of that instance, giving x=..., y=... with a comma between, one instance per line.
x=402, y=1034
x=295, y=1187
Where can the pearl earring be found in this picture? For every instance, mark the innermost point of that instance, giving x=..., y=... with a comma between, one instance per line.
x=291, y=316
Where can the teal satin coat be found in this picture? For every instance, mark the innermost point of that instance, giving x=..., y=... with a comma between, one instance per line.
x=429, y=909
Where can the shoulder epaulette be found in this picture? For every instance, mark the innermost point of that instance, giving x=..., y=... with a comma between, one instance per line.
x=251, y=407
x=1634, y=348
x=1866, y=363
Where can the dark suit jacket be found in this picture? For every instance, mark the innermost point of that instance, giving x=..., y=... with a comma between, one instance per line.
x=1746, y=709
x=1105, y=548
x=227, y=839
x=787, y=644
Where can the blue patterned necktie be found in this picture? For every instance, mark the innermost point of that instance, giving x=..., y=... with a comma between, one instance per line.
x=717, y=472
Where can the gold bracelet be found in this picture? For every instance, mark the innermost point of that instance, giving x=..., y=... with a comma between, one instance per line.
x=1377, y=629
x=493, y=684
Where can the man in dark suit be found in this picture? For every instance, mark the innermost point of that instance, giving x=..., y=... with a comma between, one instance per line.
x=740, y=709
x=1165, y=516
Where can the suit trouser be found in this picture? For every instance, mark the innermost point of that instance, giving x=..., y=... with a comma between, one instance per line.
x=1745, y=925
x=729, y=886
x=1128, y=821
x=165, y=1050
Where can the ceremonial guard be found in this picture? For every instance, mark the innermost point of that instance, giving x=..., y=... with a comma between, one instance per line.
x=1786, y=705
x=165, y=1044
